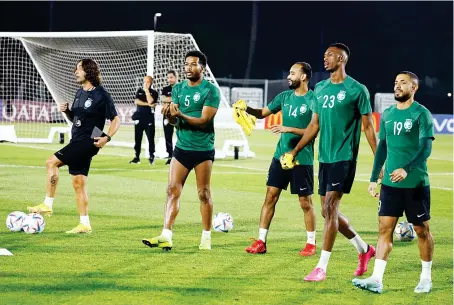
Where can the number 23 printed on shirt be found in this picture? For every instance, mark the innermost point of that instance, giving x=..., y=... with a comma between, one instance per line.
x=329, y=101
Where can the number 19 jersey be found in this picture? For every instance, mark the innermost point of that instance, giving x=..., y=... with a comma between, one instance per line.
x=402, y=130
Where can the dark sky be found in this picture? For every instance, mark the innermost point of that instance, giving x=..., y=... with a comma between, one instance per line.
x=384, y=37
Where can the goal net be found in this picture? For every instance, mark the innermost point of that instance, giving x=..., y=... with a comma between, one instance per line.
x=37, y=74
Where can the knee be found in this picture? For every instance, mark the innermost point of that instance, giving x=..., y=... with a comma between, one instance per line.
x=329, y=209
x=422, y=231
x=50, y=163
x=204, y=194
x=271, y=197
x=386, y=233
x=79, y=182
x=306, y=203
x=173, y=191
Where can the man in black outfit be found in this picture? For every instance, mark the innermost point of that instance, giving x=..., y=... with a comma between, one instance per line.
x=146, y=99
x=89, y=111
x=172, y=79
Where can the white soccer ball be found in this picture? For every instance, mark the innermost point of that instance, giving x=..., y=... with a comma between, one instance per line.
x=223, y=222
x=404, y=231
x=33, y=223
x=15, y=220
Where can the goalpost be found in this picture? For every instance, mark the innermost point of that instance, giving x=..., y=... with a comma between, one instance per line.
x=37, y=74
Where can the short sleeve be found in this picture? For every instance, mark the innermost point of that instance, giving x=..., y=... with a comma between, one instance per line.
x=364, y=101
x=213, y=98
x=426, y=125
x=175, y=94
x=111, y=112
x=154, y=95
x=137, y=94
x=276, y=104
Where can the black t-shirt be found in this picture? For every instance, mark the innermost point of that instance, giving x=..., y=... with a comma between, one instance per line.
x=90, y=109
x=146, y=112
x=167, y=91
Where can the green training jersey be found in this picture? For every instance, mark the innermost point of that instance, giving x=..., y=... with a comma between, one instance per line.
x=402, y=130
x=297, y=113
x=191, y=101
x=339, y=108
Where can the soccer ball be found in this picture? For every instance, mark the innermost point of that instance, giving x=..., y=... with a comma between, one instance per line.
x=222, y=222
x=15, y=220
x=404, y=231
x=33, y=223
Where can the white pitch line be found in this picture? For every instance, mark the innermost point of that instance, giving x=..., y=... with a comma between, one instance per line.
x=101, y=152
x=123, y=169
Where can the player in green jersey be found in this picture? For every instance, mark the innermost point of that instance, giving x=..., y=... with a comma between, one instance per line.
x=194, y=105
x=406, y=135
x=341, y=107
x=296, y=107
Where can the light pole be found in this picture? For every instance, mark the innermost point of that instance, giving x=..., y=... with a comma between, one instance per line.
x=156, y=19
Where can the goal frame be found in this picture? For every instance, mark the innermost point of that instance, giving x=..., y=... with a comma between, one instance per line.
x=230, y=147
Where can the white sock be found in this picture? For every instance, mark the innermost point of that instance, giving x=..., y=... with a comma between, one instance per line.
x=167, y=233
x=85, y=220
x=206, y=234
x=49, y=201
x=310, y=237
x=359, y=244
x=324, y=259
x=262, y=234
x=379, y=270
x=426, y=270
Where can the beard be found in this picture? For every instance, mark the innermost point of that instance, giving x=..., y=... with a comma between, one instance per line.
x=195, y=76
x=402, y=98
x=294, y=84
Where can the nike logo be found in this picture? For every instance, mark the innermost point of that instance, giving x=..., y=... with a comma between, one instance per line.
x=59, y=153
x=319, y=97
x=388, y=121
x=285, y=104
x=303, y=189
x=334, y=184
x=419, y=216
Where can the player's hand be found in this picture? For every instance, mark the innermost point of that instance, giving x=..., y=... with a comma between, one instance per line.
x=278, y=129
x=174, y=110
x=372, y=189
x=100, y=141
x=240, y=105
x=165, y=108
x=64, y=107
x=398, y=175
x=288, y=161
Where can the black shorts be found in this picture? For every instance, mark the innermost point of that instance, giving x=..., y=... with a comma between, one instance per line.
x=301, y=178
x=337, y=176
x=77, y=156
x=192, y=158
x=415, y=202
